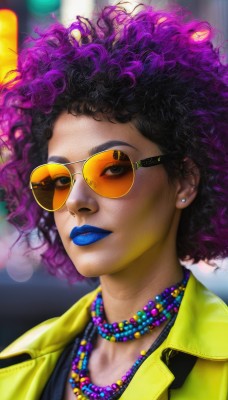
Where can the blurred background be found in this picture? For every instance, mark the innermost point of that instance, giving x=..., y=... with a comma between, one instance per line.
x=28, y=295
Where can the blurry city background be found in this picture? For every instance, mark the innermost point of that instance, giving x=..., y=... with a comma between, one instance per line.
x=28, y=295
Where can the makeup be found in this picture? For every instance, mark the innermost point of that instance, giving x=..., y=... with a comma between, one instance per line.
x=87, y=234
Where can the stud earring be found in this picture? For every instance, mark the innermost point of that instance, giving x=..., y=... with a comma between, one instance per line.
x=183, y=200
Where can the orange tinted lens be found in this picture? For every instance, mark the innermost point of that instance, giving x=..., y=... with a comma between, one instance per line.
x=110, y=173
x=51, y=185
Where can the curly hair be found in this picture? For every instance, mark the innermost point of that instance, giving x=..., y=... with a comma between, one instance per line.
x=157, y=69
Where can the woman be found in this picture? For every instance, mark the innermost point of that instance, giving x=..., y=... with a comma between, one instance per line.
x=120, y=128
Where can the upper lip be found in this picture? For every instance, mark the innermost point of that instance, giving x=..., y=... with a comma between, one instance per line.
x=80, y=230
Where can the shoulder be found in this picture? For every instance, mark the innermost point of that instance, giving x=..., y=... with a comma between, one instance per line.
x=53, y=334
x=201, y=327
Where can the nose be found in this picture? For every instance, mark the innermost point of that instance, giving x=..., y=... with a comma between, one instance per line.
x=82, y=199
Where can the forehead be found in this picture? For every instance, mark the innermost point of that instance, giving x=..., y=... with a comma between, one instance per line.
x=77, y=136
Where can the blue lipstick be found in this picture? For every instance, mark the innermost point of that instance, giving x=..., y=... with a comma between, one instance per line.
x=87, y=234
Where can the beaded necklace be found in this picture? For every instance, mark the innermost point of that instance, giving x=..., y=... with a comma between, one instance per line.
x=154, y=313
x=167, y=304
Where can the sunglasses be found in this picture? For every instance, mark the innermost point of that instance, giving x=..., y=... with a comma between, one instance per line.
x=109, y=173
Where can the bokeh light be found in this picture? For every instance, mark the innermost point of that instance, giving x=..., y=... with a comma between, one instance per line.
x=8, y=43
x=43, y=6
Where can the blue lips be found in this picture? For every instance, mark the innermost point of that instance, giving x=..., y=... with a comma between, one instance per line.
x=87, y=234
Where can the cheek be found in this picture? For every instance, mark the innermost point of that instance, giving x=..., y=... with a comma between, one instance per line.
x=150, y=208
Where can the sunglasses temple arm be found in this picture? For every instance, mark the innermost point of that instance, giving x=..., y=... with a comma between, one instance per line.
x=151, y=161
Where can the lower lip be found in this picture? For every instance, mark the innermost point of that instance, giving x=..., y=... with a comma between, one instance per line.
x=86, y=239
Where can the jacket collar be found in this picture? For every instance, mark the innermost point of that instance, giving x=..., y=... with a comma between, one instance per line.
x=201, y=327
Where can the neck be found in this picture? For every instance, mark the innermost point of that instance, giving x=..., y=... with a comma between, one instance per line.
x=126, y=292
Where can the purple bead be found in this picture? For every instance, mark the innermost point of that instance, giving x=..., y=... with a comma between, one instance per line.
x=89, y=347
x=114, y=386
x=154, y=312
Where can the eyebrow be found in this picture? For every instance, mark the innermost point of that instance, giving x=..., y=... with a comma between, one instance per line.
x=107, y=145
x=94, y=150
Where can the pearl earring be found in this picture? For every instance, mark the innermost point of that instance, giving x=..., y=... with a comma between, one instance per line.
x=183, y=200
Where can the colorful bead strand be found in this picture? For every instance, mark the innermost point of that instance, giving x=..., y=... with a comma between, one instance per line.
x=154, y=313
x=80, y=381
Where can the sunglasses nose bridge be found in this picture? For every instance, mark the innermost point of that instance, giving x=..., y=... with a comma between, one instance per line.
x=80, y=172
x=73, y=175
x=76, y=173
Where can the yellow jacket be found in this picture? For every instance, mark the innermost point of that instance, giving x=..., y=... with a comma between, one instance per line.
x=201, y=330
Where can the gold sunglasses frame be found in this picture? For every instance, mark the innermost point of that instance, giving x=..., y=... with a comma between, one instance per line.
x=145, y=163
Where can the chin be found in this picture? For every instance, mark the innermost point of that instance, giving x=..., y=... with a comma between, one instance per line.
x=89, y=271
x=93, y=272
x=88, y=275
x=93, y=265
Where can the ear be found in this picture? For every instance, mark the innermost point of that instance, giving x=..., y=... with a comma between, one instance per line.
x=188, y=182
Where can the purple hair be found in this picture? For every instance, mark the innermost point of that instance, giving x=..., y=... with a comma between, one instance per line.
x=157, y=69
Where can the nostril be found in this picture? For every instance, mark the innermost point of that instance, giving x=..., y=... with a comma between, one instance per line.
x=84, y=209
